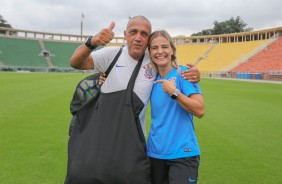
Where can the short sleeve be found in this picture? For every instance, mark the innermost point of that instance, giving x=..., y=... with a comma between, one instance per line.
x=102, y=58
x=186, y=87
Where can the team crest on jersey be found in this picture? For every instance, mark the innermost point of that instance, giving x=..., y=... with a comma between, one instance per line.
x=148, y=71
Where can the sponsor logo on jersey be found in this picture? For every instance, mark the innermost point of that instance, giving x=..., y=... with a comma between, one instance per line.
x=148, y=71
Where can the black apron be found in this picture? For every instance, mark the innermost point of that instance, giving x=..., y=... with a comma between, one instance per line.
x=107, y=145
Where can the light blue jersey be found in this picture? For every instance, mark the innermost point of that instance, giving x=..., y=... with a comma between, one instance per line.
x=172, y=133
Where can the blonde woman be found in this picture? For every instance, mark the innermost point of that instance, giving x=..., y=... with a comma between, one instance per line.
x=172, y=144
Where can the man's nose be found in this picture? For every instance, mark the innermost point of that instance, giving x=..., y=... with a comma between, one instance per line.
x=138, y=37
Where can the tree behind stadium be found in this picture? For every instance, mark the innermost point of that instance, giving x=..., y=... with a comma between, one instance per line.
x=232, y=25
x=3, y=23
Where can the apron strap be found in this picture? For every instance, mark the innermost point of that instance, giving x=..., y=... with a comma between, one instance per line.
x=131, y=82
x=113, y=62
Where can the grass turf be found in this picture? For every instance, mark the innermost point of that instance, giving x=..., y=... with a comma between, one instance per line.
x=239, y=136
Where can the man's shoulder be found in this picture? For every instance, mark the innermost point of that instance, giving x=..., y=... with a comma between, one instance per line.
x=110, y=49
x=106, y=53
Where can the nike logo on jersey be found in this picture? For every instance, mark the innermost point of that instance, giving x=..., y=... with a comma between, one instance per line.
x=117, y=65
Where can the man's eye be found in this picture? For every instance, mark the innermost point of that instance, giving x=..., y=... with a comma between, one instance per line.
x=145, y=34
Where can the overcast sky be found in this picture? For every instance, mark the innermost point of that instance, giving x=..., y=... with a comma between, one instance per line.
x=178, y=17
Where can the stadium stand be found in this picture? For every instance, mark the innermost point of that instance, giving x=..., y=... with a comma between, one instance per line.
x=269, y=59
x=60, y=52
x=249, y=55
x=224, y=54
x=192, y=53
x=21, y=52
x=266, y=64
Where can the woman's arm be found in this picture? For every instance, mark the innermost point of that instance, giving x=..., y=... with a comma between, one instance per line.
x=193, y=103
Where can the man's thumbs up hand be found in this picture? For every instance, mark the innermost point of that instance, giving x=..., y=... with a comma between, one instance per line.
x=104, y=36
x=111, y=26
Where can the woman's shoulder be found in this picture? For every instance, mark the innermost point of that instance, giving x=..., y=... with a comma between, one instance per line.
x=183, y=68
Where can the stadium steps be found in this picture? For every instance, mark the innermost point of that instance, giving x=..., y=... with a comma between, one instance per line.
x=200, y=58
x=45, y=53
x=60, y=52
x=190, y=53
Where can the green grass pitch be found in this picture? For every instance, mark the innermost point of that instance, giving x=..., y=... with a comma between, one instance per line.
x=239, y=136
